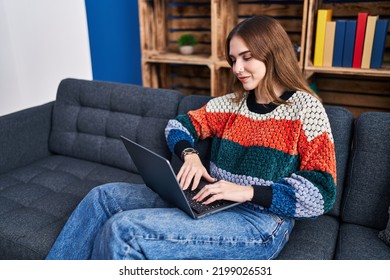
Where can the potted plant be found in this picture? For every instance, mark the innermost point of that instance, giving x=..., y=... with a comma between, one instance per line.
x=186, y=43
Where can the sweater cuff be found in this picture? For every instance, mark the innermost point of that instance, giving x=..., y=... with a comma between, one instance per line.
x=262, y=195
x=180, y=146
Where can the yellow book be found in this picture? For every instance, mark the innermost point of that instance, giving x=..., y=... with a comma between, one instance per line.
x=329, y=43
x=368, y=41
x=323, y=16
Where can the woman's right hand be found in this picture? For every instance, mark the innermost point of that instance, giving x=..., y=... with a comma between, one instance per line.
x=193, y=170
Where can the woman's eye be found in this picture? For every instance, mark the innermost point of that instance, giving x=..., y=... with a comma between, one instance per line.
x=247, y=58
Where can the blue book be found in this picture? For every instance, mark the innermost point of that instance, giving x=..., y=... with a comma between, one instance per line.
x=379, y=45
x=338, y=47
x=349, y=42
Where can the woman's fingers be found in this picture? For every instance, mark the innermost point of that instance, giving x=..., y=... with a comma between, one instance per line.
x=191, y=172
x=224, y=190
x=208, y=190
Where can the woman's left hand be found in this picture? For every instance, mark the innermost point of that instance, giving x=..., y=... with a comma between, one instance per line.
x=224, y=190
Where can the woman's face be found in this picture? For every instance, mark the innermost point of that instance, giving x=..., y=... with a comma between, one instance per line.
x=248, y=70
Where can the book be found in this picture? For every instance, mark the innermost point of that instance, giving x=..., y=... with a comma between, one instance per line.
x=349, y=42
x=329, y=43
x=359, y=39
x=339, y=43
x=323, y=16
x=379, y=44
x=368, y=41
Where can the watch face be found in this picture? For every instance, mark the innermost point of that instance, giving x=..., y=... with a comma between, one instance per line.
x=188, y=151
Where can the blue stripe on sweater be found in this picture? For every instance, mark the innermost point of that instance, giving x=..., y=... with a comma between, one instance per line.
x=283, y=200
x=176, y=135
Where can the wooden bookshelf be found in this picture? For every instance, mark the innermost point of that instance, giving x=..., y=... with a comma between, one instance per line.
x=357, y=89
x=205, y=72
x=344, y=10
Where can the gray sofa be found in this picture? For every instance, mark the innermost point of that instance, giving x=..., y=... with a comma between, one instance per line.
x=52, y=155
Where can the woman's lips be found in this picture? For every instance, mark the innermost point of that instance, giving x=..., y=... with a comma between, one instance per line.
x=243, y=79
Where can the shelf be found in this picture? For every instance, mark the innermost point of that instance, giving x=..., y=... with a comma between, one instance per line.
x=170, y=57
x=343, y=10
x=383, y=72
x=359, y=90
x=222, y=64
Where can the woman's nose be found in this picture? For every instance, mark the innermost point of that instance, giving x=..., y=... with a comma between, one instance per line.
x=238, y=68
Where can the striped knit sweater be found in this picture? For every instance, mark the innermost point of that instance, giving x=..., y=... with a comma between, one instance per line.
x=285, y=151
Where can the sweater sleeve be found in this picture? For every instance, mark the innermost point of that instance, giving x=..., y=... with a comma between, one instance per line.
x=310, y=191
x=185, y=130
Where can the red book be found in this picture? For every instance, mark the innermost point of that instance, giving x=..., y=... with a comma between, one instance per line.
x=359, y=39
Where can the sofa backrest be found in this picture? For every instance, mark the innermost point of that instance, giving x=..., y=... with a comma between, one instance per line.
x=367, y=194
x=89, y=117
x=341, y=122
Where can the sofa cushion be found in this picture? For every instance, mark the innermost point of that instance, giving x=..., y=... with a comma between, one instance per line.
x=341, y=122
x=36, y=201
x=312, y=240
x=360, y=243
x=367, y=196
x=90, y=116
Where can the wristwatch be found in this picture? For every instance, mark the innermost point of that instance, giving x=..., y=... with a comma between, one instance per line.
x=188, y=151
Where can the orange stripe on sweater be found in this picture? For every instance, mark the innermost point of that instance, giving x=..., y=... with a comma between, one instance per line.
x=281, y=135
x=318, y=154
x=205, y=127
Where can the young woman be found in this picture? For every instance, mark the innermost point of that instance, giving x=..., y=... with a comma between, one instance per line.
x=272, y=149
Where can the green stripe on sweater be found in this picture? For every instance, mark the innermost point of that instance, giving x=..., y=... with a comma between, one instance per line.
x=255, y=161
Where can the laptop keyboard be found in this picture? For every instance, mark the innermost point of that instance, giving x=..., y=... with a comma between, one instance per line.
x=198, y=207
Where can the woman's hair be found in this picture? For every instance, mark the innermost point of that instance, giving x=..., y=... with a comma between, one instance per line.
x=269, y=43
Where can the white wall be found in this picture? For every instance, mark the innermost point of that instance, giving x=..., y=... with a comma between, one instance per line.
x=41, y=43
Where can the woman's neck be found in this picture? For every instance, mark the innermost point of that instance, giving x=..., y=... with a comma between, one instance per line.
x=262, y=99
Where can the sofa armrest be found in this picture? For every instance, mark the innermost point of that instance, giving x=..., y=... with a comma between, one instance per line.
x=24, y=136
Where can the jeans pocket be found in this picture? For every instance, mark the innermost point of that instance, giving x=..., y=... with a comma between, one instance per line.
x=266, y=226
x=277, y=218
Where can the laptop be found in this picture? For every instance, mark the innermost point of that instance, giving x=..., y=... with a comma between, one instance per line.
x=158, y=175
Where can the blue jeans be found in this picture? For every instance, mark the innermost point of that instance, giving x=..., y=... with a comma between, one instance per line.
x=123, y=221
